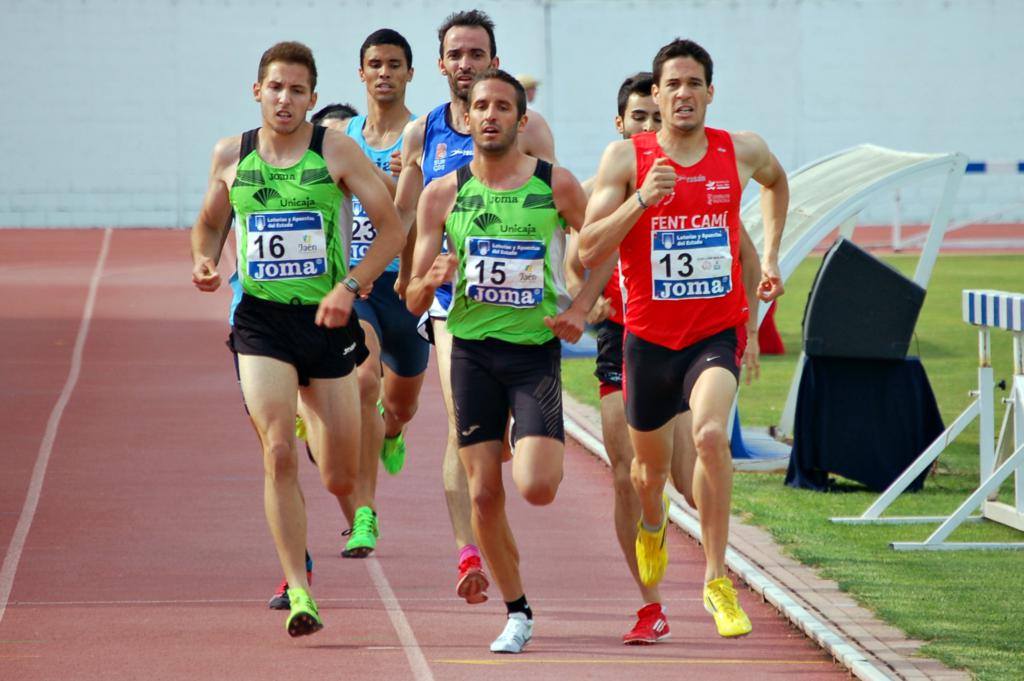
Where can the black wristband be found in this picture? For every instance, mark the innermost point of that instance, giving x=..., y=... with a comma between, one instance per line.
x=640, y=200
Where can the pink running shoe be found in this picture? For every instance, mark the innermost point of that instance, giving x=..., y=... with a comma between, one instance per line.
x=472, y=584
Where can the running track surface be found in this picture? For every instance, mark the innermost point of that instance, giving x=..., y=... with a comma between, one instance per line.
x=144, y=553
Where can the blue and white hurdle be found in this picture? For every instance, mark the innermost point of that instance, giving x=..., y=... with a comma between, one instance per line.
x=987, y=310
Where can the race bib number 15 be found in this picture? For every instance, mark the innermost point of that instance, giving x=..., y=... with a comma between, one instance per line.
x=284, y=245
x=505, y=271
x=690, y=263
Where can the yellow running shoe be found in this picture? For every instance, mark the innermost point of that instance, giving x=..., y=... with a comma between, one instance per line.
x=304, y=619
x=300, y=427
x=720, y=600
x=651, y=552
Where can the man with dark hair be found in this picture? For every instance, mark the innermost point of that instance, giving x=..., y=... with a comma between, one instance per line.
x=637, y=113
x=397, y=352
x=473, y=18
x=294, y=332
x=669, y=202
x=334, y=116
x=510, y=311
x=437, y=144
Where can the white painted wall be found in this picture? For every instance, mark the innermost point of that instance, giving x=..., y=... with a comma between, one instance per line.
x=113, y=106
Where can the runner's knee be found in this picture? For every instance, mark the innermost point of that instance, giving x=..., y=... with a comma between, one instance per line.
x=339, y=483
x=539, y=492
x=280, y=462
x=646, y=477
x=710, y=440
x=487, y=498
x=622, y=479
x=369, y=386
x=400, y=411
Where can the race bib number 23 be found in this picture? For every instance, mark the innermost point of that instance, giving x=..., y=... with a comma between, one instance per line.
x=285, y=245
x=690, y=263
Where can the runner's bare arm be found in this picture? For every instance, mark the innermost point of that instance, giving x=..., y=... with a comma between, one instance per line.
x=407, y=194
x=612, y=210
x=405, y=262
x=571, y=203
x=575, y=277
x=588, y=186
x=751, y=278
x=756, y=161
x=410, y=180
x=536, y=138
x=358, y=176
x=388, y=180
x=208, y=231
x=431, y=268
x=575, y=272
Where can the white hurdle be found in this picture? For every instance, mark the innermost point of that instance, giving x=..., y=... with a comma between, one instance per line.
x=986, y=310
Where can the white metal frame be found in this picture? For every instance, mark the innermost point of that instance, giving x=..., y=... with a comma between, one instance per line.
x=991, y=475
x=844, y=215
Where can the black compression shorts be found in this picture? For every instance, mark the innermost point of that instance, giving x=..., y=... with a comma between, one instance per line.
x=659, y=380
x=490, y=377
x=609, y=356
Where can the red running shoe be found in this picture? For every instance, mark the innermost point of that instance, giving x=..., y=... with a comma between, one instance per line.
x=651, y=626
x=472, y=584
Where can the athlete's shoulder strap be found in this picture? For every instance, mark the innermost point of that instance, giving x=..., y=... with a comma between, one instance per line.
x=643, y=141
x=316, y=142
x=463, y=175
x=249, y=140
x=720, y=137
x=543, y=171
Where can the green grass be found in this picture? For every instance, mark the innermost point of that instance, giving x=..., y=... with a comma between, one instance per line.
x=967, y=605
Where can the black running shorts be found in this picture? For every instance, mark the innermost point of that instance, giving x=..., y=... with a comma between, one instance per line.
x=289, y=333
x=490, y=377
x=609, y=356
x=403, y=350
x=659, y=380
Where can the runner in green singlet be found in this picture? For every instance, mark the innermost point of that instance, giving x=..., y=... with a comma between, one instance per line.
x=505, y=214
x=294, y=331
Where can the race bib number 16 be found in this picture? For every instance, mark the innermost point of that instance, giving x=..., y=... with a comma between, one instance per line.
x=690, y=263
x=505, y=271
x=284, y=245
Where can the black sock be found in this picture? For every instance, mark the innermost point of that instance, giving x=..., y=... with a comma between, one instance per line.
x=519, y=605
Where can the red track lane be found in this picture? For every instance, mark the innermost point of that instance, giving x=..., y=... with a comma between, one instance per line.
x=148, y=555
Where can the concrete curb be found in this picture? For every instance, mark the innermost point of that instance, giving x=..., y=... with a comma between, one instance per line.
x=868, y=648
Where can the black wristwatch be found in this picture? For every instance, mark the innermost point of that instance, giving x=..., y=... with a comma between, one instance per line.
x=352, y=284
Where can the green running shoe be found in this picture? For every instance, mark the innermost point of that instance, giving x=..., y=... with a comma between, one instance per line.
x=392, y=454
x=392, y=450
x=303, y=618
x=362, y=537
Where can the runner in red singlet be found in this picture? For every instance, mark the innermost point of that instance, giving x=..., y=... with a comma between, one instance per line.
x=669, y=201
x=637, y=113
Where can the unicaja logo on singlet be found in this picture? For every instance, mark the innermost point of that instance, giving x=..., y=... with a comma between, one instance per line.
x=266, y=194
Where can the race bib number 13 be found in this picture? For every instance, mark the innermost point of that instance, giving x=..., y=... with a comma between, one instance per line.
x=690, y=263
x=505, y=271
x=284, y=245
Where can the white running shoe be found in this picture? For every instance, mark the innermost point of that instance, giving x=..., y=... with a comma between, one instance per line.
x=518, y=632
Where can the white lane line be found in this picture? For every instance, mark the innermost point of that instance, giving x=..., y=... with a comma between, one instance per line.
x=35, y=487
x=417, y=661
